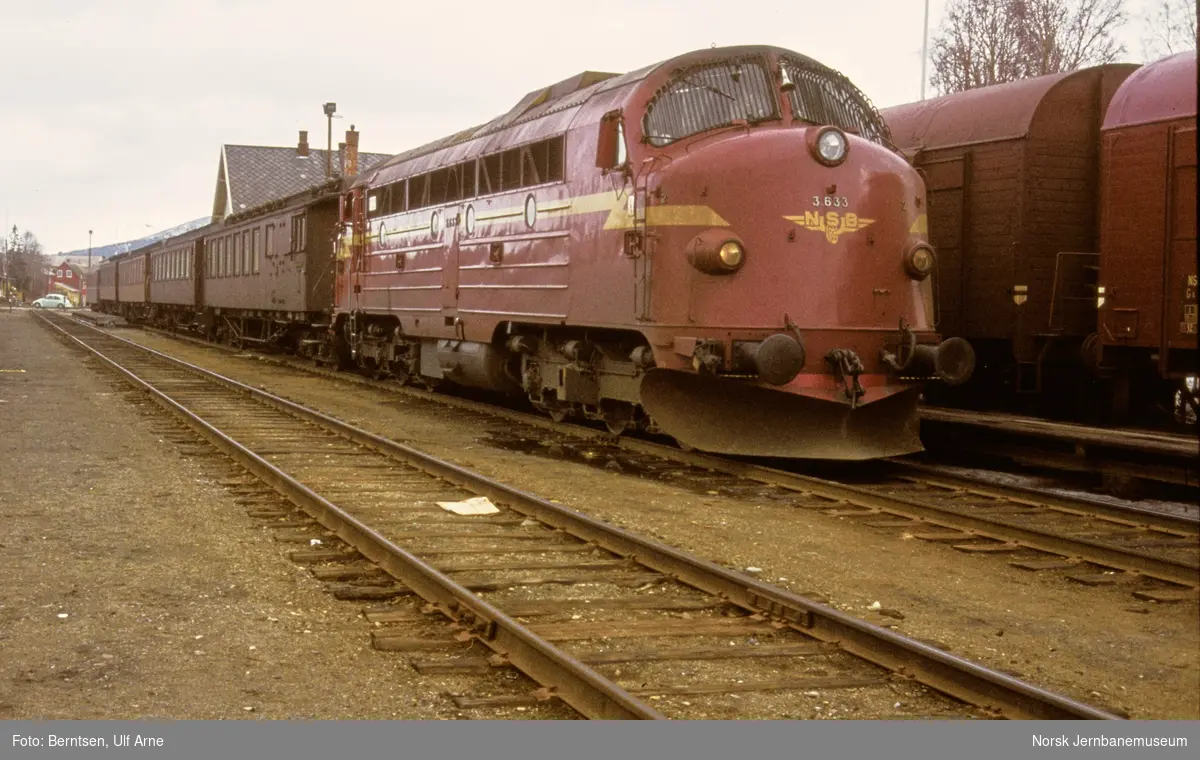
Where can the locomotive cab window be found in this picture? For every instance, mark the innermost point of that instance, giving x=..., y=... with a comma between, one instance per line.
x=708, y=96
x=819, y=95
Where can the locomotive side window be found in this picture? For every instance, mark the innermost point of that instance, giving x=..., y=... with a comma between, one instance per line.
x=489, y=174
x=708, y=96
x=820, y=95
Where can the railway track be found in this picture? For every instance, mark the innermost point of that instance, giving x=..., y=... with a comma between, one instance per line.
x=1124, y=459
x=606, y=621
x=1155, y=556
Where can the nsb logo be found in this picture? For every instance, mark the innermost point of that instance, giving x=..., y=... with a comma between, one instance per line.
x=832, y=223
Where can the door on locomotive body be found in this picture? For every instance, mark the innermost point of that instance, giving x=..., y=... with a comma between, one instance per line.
x=449, y=218
x=612, y=158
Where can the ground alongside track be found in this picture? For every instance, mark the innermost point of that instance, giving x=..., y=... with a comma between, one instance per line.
x=134, y=586
x=1098, y=645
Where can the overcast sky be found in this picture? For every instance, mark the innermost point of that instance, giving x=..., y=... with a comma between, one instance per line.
x=112, y=113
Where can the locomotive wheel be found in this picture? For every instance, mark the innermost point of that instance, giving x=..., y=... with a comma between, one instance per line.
x=616, y=427
x=558, y=413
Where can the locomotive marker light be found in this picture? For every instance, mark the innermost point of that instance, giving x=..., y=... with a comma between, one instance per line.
x=714, y=252
x=829, y=145
x=919, y=261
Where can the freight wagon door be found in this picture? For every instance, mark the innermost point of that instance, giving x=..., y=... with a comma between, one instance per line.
x=947, y=182
x=1179, y=302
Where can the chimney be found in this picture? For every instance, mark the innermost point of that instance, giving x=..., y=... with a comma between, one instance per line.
x=302, y=147
x=351, y=152
x=342, y=159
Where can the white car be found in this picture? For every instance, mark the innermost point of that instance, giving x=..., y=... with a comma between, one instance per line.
x=52, y=301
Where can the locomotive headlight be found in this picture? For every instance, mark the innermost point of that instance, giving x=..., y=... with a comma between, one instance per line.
x=732, y=254
x=919, y=261
x=830, y=146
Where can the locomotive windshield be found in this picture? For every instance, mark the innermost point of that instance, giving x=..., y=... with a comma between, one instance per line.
x=708, y=96
x=823, y=96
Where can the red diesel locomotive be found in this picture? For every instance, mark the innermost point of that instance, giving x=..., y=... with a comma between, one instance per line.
x=722, y=247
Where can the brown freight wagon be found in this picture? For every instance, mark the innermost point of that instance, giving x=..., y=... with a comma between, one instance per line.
x=1148, y=231
x=1012, y=172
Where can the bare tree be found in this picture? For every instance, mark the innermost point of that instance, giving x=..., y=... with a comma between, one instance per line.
x=983, y=42
x=978, y=44
x=25, y=264
x=1172, y=29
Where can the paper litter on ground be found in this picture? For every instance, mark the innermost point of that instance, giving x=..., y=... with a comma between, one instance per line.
x=476, y=506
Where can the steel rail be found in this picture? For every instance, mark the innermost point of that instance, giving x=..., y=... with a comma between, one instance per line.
x=581, y=687
x=1075, y=505
x=1163, y=444
x=952, y=675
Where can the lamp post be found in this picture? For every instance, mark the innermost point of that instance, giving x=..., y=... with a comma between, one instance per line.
x=330, y=110
x=924, y=49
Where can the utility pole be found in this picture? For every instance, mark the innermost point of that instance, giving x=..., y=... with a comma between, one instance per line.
x=330, y=110
x=924, y=49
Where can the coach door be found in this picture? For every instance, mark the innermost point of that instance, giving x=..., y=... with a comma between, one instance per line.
x=352, y=249
x=199, y=261
x=148, y=272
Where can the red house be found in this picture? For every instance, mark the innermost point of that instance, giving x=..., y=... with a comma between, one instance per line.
x=67, y=279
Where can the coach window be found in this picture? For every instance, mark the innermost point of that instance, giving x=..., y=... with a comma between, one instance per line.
x=299, y=233
x=246, y=252
x=269, y=240
x=254, y=251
